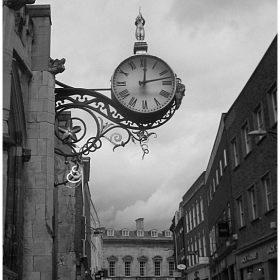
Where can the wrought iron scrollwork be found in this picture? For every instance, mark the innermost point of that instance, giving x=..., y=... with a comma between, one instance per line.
x=117, y=129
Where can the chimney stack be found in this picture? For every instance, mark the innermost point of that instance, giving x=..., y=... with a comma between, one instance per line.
x=140, y=224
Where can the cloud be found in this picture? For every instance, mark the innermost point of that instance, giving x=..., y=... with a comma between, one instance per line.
x=213, y=46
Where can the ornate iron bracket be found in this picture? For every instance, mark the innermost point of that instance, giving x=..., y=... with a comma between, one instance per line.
x=118, y=130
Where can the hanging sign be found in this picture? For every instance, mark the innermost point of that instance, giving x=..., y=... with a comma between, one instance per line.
x=223, y=229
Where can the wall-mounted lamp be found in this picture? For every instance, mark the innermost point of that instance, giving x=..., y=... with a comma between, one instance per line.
x=261, y=132
x=95, y=231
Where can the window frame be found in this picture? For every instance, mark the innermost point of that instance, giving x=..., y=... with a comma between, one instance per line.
x=246, y=140
x=267, y=193
x=154, y=233
x=110, y=232
x=272, y=102
x=157, y=268
x=171, y=267
x=125, y=232
x=240, y=209
x=235, y=152
x=259, y=120
x=252, y=195
x=127, y=268
x=112, y=268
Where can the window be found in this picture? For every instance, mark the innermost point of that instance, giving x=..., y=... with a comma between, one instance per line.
x=240, y=211
x=190, y=218
x=214, y=186
x=235, y=154
x=192, y=255
x=272, y=101
x=200, y=245
x=201, y=209
x=188, y=256
x=266, y=183
x=217, y=177
x=210, y=192
x=246, y=140
x=125, y=232
x=204, y=243
x=253, y=202
x=127, y=268
x=221, y=168
x=168, y=233
x=229, y=217
x=225, y=158
x=171, y=267
x=112, y=268
x=274, y=104
x=214, y=238
x=157, y=268
x=110, y=232
x=198, y=213
x=142, y=268
x=140, y=233
x=154, y=233
x=259, y=119
x=194, y=216
x=195, y=250
x=187, y=221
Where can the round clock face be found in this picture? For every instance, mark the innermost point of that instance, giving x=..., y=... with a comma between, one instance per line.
x=144, y=83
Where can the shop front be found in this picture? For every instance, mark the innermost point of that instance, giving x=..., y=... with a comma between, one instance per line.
x=258, y=263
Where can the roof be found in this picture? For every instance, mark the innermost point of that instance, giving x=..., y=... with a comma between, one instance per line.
x=133, y=235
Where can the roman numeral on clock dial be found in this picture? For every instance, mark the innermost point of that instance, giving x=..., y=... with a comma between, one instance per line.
x=158, y=104
x=123, y=94
x=132, y=65
x=163, y=72
x=122, y=72
x=121, y=84
x=166, y=83
x=143, y=62
x=144, y=104
x=164, y=93
x=132, y=102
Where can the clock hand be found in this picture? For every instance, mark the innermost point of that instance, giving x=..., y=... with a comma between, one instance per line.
x=153, y=80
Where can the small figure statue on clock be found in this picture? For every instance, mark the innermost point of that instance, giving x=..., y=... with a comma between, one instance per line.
x=140, y=31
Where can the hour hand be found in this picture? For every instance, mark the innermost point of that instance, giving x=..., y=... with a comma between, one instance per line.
x=144, y=78
x=153, y=80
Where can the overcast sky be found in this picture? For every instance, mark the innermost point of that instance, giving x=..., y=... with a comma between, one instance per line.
x=213, y=46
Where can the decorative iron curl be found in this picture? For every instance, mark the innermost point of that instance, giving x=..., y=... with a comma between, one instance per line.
x=95, y=103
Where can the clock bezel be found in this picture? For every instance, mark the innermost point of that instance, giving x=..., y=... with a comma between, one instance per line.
x=141, y=116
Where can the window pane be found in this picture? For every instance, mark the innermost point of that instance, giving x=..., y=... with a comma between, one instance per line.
x=171, y=268
x=127, y=268
x=142, y=268
x=157, y=268
x=112, y=269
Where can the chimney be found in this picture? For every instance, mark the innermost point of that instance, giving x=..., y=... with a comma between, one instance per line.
x=140, y=224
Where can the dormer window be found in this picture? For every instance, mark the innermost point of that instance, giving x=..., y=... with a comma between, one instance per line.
x=140, y=233
x=110, y=232
x=125, y=232
x=154, y=233
x=168, y=233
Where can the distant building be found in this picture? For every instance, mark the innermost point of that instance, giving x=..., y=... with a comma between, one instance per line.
x=190, y=230
x=220, y=205
x=139, y=253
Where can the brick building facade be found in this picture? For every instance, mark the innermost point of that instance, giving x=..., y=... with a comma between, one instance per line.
x=241, y=183
x=254, y=170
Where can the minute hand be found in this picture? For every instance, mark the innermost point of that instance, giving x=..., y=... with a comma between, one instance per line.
x=153, y=80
